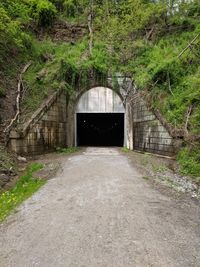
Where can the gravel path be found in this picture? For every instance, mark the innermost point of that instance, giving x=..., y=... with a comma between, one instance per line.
x=100, y=212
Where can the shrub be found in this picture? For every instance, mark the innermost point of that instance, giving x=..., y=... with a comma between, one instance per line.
x=43, y=12
x=59, y=4
x=189, y=161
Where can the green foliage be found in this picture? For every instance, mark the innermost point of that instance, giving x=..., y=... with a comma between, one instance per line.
x=18, y=10
x=43, y=12
x=23, y=189
x=146, y=178
x=2, y=93
x=145, y=160
x=159, y=168
x=7, y=163
x=125, y=149
x=72, y=8
x=189, y=160
x=14, y=40
x=9, y=30
x=69, y=67
x=67, y=150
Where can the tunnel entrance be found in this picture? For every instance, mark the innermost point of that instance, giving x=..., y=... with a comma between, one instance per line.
x=99, y=118
x=100, y=129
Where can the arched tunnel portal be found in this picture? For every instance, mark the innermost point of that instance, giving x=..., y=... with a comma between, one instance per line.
x=94, y=117
x=100, y=118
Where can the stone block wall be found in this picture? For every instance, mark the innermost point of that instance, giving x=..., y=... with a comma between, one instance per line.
x=148, y=133
x=45, y=131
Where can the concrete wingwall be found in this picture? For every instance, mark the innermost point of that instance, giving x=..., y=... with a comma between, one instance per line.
x=54, y=125
x=46, y=129
x=144, y=131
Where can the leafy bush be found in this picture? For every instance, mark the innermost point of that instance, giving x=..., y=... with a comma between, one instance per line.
x=73, y=8
x=18, y=10
x=43, y=12
x=9, y=29
x=13, y=38
x=59, y=4
x=189, y=160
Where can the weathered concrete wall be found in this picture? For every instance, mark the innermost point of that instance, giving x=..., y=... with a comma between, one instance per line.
x=45, y=131
x=148, y=133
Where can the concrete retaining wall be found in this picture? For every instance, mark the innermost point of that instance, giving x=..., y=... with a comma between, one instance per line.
x=45, y=131
x=148, y=133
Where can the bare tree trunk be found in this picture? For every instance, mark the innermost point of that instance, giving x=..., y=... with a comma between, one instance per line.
x=19, y=87
x=189, y=111
x=90, y=32
x=189, y=45
x=169, y=84
x=149, y=34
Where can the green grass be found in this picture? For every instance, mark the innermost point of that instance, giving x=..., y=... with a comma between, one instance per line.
x=67, y=150
x=189, y=161
x=125, y=149
x=23, y=189
x=145, y=160
x=159, y=168
x=168, y=181
x=146, y=177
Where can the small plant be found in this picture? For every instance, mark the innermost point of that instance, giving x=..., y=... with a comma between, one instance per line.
x=168, y=181
x=159, y=168
x=67, y=150
x=146, y=177
x=2, y=92
x=125, y=149
x=7, y=162
x=145, y=160
x=23, y=189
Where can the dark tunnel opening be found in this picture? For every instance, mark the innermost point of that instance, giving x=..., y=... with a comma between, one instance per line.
x=100, y=129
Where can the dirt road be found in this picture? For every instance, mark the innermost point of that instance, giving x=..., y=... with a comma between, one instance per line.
x=99, y=211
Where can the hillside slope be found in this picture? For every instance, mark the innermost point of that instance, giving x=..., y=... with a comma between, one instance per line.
x=156, y=43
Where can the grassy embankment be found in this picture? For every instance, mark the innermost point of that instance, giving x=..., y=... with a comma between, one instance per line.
x=24, y=188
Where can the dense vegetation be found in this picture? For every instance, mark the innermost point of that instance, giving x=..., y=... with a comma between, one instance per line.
x=146, y=39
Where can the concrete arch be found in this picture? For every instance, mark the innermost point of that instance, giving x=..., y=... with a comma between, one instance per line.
x=100, y=100
x=85, y=90
x=75, y=98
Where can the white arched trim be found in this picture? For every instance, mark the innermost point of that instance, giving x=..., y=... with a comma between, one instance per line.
x=100, y=100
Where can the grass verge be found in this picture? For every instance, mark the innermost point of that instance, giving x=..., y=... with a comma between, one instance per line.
x=125, y=149
x=67, y=150
x=189, y=161
x=23, y=189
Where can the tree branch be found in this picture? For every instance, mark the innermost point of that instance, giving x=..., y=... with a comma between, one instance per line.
x=188, y=46
x=19, y=86
x=90, y=32
x=169, y=83
x=189, y=111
